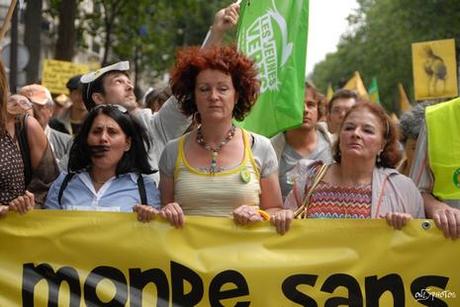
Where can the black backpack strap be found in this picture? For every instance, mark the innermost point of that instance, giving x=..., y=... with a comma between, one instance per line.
x=141, y=187
x=20, y=127
x=64, y=184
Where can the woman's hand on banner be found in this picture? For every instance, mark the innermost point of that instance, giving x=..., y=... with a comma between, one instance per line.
x=397, y=220
x=145, y=213
x=174, y=214
x=244, y=215
x=3, y=210
x=281, y=219
x=23, y=204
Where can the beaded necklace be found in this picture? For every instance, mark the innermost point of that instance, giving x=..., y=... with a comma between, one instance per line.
x=214, y=150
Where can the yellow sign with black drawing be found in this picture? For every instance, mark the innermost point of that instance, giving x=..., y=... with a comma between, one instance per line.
x=57, y=73
x=58, y=258
x=435, y=69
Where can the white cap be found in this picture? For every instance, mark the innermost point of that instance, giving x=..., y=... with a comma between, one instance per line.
x=93, y=75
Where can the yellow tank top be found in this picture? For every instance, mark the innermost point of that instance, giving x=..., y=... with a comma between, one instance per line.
x=201, y=193
x=443, y=128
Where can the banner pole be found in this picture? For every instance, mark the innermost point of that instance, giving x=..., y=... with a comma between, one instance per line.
x=6, y=22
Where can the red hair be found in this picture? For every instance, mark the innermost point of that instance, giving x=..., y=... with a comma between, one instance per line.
x=192, y=60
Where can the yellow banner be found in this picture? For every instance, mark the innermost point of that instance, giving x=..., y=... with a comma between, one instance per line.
x=110, y=259
x=57, y=73
x=434, y=69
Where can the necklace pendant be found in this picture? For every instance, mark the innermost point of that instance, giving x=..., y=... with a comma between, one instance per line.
x=213, y=168
x=214, y=150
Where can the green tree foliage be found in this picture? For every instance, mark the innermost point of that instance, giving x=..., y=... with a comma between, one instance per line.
x=380, y=43
x=145, y=32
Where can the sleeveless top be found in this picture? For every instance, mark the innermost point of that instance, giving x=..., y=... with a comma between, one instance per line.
x=201, y=193
x=12, y=182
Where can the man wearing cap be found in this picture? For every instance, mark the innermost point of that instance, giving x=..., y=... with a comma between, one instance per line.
x=112, y=85
x=43, y=106
x=18, y=104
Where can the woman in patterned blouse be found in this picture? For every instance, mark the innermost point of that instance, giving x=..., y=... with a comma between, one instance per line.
x=362, y=183
x=16, y=193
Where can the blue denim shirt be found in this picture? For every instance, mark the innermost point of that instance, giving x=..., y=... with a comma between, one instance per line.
x=117, y=194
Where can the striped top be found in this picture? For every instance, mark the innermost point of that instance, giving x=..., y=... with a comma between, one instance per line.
x=200, y=193
x=332, y=201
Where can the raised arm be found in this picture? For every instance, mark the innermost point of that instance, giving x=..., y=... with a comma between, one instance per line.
x=224, y=20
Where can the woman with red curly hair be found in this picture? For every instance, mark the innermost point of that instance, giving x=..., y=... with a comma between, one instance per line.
x=219, y=169
x=363, y=182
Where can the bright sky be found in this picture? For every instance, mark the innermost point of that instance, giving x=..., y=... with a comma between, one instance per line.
x=327, y=22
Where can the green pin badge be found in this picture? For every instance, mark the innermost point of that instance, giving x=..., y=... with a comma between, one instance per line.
x=245, y=175
x=456, y=178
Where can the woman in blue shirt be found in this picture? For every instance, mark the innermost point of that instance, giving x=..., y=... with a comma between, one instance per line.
x=106, y=165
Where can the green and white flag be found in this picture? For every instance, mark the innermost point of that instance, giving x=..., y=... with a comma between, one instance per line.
x=274, y=34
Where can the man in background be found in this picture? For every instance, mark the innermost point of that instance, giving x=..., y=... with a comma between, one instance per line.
x=43, y=107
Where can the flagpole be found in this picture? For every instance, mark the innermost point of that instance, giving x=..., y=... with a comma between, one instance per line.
x=6, y=22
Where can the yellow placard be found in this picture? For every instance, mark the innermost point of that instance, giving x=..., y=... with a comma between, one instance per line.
x=435, y=69
x=56, y=74
x=59, y=258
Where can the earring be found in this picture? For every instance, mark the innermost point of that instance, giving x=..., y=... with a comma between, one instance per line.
x=379, y=158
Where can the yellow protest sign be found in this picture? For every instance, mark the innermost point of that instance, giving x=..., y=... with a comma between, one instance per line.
x=435, y=69
x=56, y=74
x=110, y=259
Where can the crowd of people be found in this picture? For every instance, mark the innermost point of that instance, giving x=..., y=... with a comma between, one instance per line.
x=182, y=154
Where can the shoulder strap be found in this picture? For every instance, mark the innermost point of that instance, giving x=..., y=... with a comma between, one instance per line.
x=21, y=135
x=141, y=187
x=180, y=155
x=302, y=211
x=249, y=140
x=64, y=184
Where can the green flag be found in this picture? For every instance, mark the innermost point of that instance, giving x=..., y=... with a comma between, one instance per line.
x=274, y=34
x=374, y=91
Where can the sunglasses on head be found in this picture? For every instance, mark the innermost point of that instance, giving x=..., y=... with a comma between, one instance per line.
x=120, y=108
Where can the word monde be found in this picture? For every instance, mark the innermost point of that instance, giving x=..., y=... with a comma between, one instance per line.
x=229, y=284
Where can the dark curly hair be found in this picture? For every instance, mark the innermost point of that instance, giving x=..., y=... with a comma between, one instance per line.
x=391, y=153
x=192, y=60
x=134, y=160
